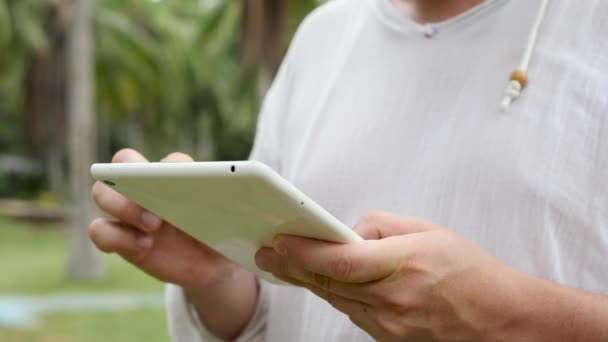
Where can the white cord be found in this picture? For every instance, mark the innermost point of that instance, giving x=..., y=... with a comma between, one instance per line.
x=515, y=87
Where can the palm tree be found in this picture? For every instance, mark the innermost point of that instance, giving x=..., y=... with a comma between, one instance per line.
x=199, y=48
x=168, y=75
x=32, y=41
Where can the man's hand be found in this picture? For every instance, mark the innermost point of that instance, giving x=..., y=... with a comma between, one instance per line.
x=168, y=254
x=413, y=281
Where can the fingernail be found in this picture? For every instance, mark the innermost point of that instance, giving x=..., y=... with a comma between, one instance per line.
x=144, y=241
x=150, y=221
x=263, y=262
x=279, y=245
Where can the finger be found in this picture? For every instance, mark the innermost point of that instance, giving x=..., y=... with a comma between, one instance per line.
x=352, y=263
x=356, y=310
x=119, y=206
x=177, y=157
x=374, y=319
x=268, y=260
x=127, y=155
x=376, y=225
x=167, y=254
x=114, y=237
x=124, y=209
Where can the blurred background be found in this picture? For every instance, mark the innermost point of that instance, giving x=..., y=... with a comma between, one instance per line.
x=81, y=79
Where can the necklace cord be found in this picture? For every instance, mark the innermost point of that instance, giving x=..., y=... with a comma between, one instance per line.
x=519, y=77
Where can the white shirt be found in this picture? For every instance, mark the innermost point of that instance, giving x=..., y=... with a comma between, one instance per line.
x=369, y=113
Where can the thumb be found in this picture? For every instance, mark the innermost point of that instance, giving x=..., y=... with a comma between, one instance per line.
x=376, y=225
x=177, y=157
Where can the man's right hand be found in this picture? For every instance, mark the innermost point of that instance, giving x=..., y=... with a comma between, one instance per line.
x=223, y=293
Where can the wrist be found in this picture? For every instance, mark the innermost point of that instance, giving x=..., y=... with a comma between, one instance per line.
x=500, y=305
x=212, y=279
x=540, y=310
x=225, y=301
x=203, y=275
x=521, y=304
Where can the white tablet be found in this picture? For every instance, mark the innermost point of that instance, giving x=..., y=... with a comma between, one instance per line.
x=233, y=207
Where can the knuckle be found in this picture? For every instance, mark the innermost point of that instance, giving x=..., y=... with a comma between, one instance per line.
x=130, y=209
x=414, y=265
x=341, y=268
x=139, y=258
x=395, y=304
x=116, y=205
x=367, y=226
x=128, y=212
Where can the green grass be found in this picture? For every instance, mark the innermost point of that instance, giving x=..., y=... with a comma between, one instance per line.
x=128, y=326
x=32, y=261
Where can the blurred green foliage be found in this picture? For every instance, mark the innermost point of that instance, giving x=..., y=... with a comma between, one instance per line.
x=20, y=185
x=168, y=76
x=171, y=69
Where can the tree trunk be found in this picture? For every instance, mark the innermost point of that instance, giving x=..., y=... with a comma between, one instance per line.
x=262, y=33
x=55, y=174
x=45, y=100
x=84, y=261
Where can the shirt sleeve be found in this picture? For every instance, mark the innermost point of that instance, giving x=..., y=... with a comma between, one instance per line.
x=183, y=321
x=185, y=325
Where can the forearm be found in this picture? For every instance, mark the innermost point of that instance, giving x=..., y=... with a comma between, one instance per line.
x=226, y=302
x=551, y=312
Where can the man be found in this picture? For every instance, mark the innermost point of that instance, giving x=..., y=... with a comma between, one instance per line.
x=395, y=105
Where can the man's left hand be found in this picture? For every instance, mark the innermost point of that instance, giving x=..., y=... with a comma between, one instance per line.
x=409, y=280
